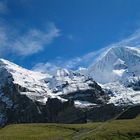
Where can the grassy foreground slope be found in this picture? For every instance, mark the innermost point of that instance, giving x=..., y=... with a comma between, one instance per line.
x=111, y=130
x=43, y=131
x=116, y=130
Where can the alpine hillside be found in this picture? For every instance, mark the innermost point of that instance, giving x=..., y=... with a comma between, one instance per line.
x=97, y=93
x=118, y=70
x=27, y=96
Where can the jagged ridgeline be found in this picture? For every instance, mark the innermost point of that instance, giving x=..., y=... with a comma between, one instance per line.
x=27, y=96
x=71, y=96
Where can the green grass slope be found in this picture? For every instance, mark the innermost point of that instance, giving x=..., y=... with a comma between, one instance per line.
x=111, y=130
x=115, y=130
x=43, y=131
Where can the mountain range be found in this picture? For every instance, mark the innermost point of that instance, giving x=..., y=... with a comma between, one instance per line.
x=97, y=92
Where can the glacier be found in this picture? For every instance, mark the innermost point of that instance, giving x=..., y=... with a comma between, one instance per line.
x=118, y=69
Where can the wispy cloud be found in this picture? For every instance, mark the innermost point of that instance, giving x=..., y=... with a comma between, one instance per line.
x=35, y=40
x=3, y=7
x=29, y=42
x=133, y=40
x=89, y=59
x=45, y=67
x=74, y=63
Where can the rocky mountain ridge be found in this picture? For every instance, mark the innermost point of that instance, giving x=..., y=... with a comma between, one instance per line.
x=71, y=96
x=118, y=70
x=27, y=96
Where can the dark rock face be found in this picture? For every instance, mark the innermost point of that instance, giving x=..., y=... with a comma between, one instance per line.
x=103, y=113
x=94, y=95
x=63, y=112
x=22, y=109
x=130, y=113
x=135, y=85
x=18, y=108
x=67, y=113
x=72, y=115
x=54, y=106
x=24, y=112
x=3, y=118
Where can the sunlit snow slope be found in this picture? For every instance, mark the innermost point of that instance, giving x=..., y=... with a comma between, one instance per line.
x=64, y=84
x=118, y=69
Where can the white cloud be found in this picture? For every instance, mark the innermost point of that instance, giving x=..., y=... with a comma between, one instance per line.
x=3, y=7
x=133, y=40
x=28, y=43
x=90, y=58
x=45, y=67
x=35, y=40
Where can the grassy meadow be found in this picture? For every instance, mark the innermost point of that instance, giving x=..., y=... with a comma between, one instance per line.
x=110, y=130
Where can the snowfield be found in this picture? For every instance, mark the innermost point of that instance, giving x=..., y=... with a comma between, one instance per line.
x=117, y=70
x=41, y=86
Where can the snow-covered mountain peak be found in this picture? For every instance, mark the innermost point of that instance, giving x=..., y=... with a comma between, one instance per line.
x=119, y=51
x=5, y=63
x=18, y=72
x=115, y=63
x=32, y=81
x=119, y=67
x=41, y=86
x=63, y=72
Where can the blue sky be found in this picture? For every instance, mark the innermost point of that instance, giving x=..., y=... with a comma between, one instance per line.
x=36, y=32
